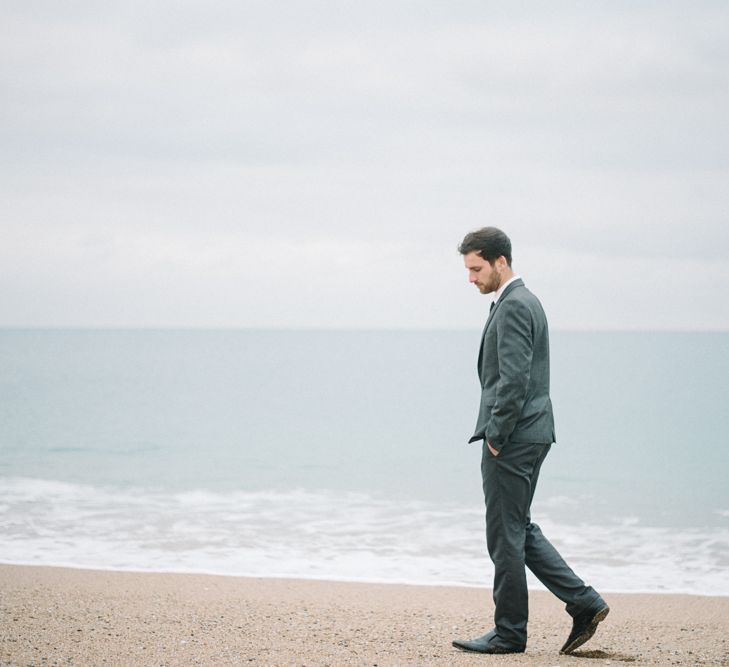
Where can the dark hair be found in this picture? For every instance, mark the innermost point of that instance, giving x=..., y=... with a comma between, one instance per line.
x=489, y=242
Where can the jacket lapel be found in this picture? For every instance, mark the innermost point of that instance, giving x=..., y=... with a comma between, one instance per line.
x=516, y=283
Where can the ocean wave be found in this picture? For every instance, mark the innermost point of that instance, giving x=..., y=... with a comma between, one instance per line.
x=329, y=535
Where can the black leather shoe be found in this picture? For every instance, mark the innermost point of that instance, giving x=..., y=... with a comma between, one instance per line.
x=584, y=626
x=489, y=643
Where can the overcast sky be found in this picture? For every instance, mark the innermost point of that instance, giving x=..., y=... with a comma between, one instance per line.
x=315, y=164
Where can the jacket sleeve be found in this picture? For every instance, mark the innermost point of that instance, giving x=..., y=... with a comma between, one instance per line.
x=515, y=348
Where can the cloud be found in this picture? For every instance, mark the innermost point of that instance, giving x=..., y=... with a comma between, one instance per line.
x=167, y=148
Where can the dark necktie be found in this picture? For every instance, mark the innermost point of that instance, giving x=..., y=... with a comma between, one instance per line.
x=491, y=307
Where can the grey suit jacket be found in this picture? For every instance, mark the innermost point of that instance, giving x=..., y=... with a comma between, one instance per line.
x=513, y=366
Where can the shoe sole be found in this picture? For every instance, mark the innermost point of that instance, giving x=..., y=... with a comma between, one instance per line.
x=587, y=634
x=492, y=650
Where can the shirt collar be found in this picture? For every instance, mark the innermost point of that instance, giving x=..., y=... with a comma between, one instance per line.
x=501, y=289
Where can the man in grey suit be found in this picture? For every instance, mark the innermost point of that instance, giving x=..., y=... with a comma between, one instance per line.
x=516, y=425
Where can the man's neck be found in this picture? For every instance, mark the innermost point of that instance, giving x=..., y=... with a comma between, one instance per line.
x=506, y=276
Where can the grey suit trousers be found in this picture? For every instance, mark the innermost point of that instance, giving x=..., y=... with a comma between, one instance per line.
x=513, y=541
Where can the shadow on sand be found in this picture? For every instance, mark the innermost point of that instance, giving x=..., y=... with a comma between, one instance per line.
x=603, y=655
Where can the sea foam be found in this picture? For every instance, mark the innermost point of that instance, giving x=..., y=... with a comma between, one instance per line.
x=330, y=535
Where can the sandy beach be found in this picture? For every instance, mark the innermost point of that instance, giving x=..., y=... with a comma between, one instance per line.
x=54, y=616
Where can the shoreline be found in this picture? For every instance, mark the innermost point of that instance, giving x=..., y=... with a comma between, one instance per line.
x=54, y=615
x=339, y=580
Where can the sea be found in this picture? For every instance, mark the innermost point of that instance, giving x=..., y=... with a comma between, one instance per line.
x=343, y=455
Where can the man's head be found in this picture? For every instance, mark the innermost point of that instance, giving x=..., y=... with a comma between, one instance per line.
x=487, y=256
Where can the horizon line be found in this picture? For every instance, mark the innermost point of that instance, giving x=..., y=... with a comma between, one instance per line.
x=343, y=329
